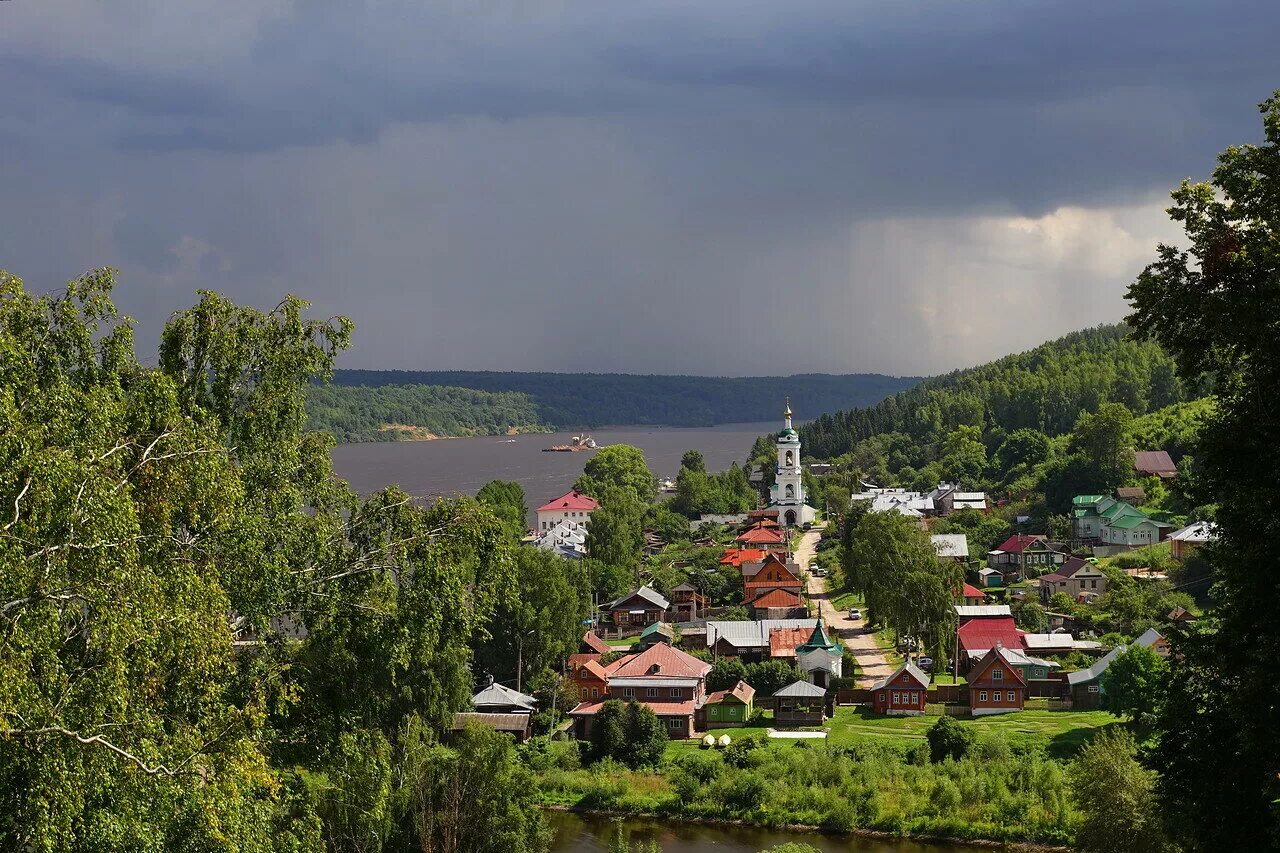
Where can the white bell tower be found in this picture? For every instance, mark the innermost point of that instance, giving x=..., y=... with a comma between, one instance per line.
x=787, y=493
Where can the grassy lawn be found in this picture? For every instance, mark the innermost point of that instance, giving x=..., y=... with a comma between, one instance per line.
x=1060, y=733
x=947, y=678
x=622, y=642
x=845, y=600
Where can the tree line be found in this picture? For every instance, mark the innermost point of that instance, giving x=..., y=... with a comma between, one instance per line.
x=591, y=400
x=398, y=412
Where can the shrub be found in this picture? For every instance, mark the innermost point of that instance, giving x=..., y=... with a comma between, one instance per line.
x=738, y=753
x=948, y=738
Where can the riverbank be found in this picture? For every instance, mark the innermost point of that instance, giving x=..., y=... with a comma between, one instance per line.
x=872, y=781
x=633, y=824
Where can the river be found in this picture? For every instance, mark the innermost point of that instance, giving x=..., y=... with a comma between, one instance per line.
x=586, y=833
x=452, y=466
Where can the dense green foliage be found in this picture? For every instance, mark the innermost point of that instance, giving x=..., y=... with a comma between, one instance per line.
x=891, y=562
x=618, y=466
x=700, y=492
x=573, y=400
x=1215, y=306
x=1045, y=389
x=627, y=732
x=995, y=793
x=398, y=412
x=540, y=625
x=1116, y=795
x=1133, y=685
x=949, y=738
x=506, y=500
x=154, y=515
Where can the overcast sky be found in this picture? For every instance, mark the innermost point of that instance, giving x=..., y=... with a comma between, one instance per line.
x=715, y=187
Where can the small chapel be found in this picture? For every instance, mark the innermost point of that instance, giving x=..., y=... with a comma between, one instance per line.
x=786, y=495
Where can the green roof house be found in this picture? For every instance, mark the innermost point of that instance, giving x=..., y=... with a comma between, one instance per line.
x=820, y=656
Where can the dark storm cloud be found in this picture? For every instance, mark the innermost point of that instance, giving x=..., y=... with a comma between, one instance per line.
x=708, y=188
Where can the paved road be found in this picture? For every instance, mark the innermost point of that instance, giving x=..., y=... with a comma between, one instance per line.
x=860, y=643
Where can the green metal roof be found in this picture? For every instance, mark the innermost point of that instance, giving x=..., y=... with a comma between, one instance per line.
x=817, y=640
x=1087, y=499
x=1128, y=522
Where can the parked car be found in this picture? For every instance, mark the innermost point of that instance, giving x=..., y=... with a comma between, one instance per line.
x=925, y=663
x=855, y=613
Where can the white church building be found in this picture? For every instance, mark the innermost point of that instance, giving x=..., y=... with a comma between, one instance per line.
x=786, y=495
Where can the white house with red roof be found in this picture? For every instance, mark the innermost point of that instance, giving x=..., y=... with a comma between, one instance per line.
x=573, y=506
x=671, y=682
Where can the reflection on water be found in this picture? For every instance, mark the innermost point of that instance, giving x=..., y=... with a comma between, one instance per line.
x=585, y=833
x=462, y=465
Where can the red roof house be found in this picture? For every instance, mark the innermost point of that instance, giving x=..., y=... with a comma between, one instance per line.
x=776, y=604
x=671, y=682
x=783, y=641
x=572, y=506
x=972, y=595
x=737, y=556
x=591, y=642
x=977, y=636
x=773, y=573
x=763, y=536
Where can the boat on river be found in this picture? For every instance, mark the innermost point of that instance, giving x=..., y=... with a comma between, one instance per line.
x=576, y=444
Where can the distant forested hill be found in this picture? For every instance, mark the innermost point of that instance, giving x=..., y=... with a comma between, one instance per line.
x=1045, y=389
x=397, y=412
x=588, y=400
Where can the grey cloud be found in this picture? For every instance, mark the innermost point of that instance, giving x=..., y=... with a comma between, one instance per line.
x=704, y=188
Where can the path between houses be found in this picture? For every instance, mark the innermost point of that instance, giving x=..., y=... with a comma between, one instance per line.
x=860, y=642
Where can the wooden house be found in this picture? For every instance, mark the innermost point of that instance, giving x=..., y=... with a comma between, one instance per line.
x=687, y=604
x=772, y=573
x=671, y=682
x=1022, y=551
x=775, y=603
x=800, y=704
x=590, y=677
x=519, y=726
x=731, y=707
x=903, y=694
x=638, y=608
x=995, y=685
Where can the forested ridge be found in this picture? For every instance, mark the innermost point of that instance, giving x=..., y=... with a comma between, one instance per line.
x=573, y=400
x=1045, y=389
x=396, y=412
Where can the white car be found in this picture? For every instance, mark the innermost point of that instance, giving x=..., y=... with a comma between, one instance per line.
x=855, y=614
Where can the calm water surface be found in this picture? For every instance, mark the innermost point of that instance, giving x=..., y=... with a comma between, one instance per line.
x=454, y=466
x=580, y=833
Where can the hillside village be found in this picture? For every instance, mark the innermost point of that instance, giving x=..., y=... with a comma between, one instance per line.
x=781, y=657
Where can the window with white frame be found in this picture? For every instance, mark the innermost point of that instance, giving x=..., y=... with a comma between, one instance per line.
x=651, y=692
x=982, y=696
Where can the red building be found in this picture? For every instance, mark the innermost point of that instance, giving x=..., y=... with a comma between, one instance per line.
x=773, y=573
x=589, y=677
x=777, y=603
x=762, y=537
x=981, y=634
x=995, y=685
x=972, y=596
x=664, y=678
x=903, y=694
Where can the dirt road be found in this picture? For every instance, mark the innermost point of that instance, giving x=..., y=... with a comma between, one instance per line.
x=860, y=643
